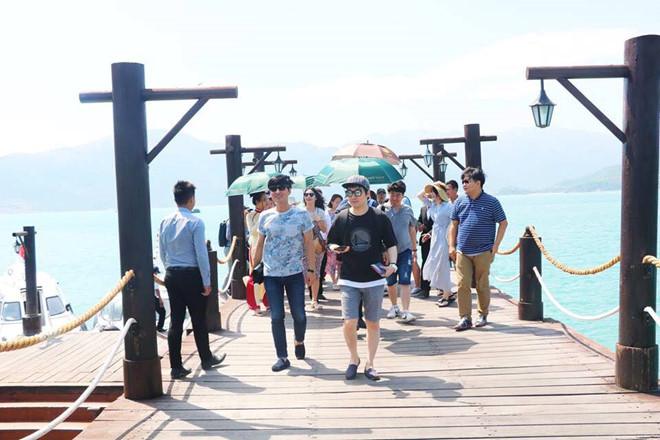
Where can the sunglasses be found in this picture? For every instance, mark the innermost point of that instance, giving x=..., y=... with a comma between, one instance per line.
x=465, y=182
x=277, y=188
x=310, y=195
x=356, y=193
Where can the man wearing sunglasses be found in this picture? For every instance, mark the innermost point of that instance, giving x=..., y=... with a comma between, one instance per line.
x=359, y=234
x=285, y=233
x=473, y=244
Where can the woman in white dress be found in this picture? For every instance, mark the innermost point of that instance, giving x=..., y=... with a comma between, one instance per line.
x=436, y=268
x=315, y=205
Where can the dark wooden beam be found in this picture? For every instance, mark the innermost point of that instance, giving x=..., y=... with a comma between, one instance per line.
x=176, y=129
x=420, y=167
x=453, y=140
x=609, y=71
x=611, y=126
x=253, y=150
x=167, y=94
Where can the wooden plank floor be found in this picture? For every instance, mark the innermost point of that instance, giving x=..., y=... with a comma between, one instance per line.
x=73, y=358
x=511, y=379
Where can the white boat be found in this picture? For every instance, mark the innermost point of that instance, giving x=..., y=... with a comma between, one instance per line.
x=12, y=302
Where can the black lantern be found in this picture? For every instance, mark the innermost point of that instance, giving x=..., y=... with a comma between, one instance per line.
x=428, y=157
x=293, y=172
x=442, y=165
x=403, y=169
x=542, y=109
x=279, y=163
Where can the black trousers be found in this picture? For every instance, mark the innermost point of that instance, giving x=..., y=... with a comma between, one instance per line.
x=161, y=314
x=426, y=248
x=184, y=286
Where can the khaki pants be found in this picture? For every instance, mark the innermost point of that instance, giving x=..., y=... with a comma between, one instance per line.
x=465, y=266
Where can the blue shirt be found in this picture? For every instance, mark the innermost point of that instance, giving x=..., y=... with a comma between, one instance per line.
x=284, y=242
x=183, y=243
x=476, y=222
x=402, y=219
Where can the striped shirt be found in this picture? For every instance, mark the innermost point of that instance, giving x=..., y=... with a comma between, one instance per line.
x=476, y=223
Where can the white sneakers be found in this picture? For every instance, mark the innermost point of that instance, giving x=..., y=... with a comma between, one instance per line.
x=394, y=312
x=407, y=316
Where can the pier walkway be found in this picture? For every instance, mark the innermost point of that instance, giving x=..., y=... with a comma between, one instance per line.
x=511, y=379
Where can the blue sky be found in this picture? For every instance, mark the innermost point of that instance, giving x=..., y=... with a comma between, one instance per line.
x=328, y=73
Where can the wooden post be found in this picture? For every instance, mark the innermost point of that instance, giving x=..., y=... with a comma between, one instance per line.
x=213, y=318
x=437, y=174
x=530, y=304
x=236, y=218
x=142, y=375
x=32, y=318
x=636, y=350
x=472, y=145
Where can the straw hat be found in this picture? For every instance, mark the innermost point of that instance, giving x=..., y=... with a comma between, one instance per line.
x=439, y=188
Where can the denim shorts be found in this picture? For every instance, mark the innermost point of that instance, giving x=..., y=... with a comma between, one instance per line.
x=350, y=302
x=404, y=265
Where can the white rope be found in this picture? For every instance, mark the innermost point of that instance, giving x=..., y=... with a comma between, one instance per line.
x=65, y=415
x=510, y=280
x=569, y=313
x=650, y=311
x=231, y=275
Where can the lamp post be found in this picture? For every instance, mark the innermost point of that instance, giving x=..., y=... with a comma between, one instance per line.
x=636, y=349
x=279, y=163
x=542, y=109
x=403, y=169
x=428, y=157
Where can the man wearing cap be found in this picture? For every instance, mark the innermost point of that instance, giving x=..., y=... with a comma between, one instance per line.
x=473, y=244
x=359, y=234
x=404, y=225
x=285, y=233
x=381, y=196
x=183, y=251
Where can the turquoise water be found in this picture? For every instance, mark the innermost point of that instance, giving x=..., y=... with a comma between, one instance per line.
x=80, y=249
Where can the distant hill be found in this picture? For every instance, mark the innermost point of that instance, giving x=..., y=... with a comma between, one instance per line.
x=606, y=179
x=83, y=177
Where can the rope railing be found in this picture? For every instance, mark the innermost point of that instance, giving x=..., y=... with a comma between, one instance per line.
x=229, y=278
x=510, y=251
x=510, y=280
x=234, y=240
x=28, y=341
x=565, y=310
x=566, y=269
x=651, y=312
x=90, y=389
x=651, y=259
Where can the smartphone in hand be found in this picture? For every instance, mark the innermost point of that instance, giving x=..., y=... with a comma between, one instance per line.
x=379, y=268
x=340, y=248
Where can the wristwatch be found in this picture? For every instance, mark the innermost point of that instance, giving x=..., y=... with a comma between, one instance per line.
x=310, y=270
x=394, y=266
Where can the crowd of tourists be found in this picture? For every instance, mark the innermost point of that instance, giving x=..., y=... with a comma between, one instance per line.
x=365, y=242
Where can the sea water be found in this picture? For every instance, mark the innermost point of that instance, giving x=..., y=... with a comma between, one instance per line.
x=81, y=250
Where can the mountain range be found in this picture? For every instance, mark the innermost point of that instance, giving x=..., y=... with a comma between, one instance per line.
x=83, y=177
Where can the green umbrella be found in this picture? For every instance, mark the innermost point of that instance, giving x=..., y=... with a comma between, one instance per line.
x=256, y=182
x=375, y=170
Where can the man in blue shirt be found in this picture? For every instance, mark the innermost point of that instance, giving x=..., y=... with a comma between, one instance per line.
x=473, y=244
x=187, y=278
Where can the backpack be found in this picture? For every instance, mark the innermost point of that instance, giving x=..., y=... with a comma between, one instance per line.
x=222, y=234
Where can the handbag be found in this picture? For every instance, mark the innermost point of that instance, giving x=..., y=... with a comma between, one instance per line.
x=258, y=273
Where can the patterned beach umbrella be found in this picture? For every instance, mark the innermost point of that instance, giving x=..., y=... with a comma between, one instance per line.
x=367, y=150
x=375, y=170
x=256, y=182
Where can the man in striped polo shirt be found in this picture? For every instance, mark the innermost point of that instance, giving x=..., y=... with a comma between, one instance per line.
x=473, y=222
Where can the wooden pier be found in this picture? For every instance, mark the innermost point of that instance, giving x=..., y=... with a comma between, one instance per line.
x=511, y=379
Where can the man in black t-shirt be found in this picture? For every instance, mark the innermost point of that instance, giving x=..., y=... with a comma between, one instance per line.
x=359, y=234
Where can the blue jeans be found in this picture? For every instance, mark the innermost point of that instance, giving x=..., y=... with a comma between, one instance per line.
x=295, y=292
x=404, y=265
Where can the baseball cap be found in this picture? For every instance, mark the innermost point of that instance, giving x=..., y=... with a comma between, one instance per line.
x=357, y=180
x=381, y=191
